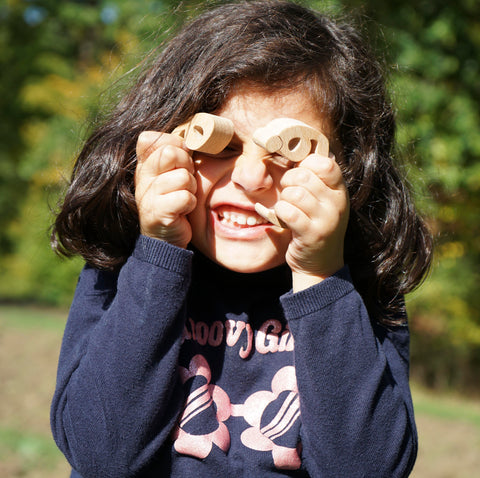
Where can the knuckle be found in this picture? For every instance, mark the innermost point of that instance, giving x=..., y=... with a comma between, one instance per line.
x=168, y=154
x=184, y=175
x=286, y=211
x=192, y=203
x=144, y=136
x=186, y=197
x=146, y=142
x=320, y=165
x=301, y=175
x=293, y=194
x=183, y=202
x=330, y=168
x=185, y=180
x=288, y=178
x=168, y=150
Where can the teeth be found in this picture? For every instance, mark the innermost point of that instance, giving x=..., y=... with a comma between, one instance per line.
x=241, y=219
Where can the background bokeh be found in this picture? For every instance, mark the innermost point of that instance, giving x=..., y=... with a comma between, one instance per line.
x=63, y=64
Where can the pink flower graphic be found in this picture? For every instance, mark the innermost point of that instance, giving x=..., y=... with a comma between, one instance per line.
x=274, y=419
x=206, y=408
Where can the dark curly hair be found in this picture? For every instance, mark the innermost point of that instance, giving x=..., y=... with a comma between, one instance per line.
x=276, y=45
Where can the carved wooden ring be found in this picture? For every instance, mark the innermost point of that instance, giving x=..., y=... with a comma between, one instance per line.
x=206, y=133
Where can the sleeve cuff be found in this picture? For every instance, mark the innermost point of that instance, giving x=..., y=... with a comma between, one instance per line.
x=162, y=254
x=308, y=301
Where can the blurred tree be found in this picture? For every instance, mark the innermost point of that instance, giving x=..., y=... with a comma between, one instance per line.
x=16, y=64
x=433, y=47
x=64, y=64
x=47, y=48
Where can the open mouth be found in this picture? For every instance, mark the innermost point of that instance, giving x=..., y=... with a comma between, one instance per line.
x=239, y=218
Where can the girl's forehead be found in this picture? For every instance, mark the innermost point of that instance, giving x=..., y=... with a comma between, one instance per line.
x=250, y=108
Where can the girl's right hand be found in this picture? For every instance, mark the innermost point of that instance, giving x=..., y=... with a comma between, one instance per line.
x=165, y=187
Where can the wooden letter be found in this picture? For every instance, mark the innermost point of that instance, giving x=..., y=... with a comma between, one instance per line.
x=182, y=130
x=206, y=133
x=291, y=138
x=269, y=215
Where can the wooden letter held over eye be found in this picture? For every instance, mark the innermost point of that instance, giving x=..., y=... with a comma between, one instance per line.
x=206, y=133
x=291, y=138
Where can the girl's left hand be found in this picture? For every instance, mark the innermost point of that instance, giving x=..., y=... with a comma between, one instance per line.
x=314, y=204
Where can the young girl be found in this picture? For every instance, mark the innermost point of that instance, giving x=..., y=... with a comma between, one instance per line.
x=202, y=340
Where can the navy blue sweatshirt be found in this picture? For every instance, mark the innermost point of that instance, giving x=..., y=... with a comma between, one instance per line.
x=178, y=367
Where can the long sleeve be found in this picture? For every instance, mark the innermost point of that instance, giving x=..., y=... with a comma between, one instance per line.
x=357, y=414
x=118, y=394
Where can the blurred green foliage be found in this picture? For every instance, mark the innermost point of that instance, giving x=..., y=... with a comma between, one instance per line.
x=62, y=63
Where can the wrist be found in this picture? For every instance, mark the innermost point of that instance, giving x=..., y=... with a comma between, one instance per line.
x=304, y=280
x=167, y=234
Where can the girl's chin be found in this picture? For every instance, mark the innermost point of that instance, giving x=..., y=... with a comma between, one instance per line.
x=245, y=258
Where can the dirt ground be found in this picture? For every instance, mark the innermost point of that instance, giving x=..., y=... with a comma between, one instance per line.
x=28, y=359
x=449, y=448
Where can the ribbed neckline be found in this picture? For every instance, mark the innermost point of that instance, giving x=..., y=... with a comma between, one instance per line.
x=207, y=271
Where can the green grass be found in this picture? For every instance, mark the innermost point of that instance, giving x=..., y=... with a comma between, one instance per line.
x=446, y=406
x=33, y=451
x=31, y=338
x=30, y=317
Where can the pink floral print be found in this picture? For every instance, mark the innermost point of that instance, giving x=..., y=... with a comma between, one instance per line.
x=209, y=404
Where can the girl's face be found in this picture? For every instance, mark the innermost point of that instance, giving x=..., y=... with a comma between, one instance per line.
x=225, y=226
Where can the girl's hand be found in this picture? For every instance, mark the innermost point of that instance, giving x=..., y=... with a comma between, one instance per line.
x=314, y=204
x=165, y=187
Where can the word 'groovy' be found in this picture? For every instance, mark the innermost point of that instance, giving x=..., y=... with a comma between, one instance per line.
x=271, y=337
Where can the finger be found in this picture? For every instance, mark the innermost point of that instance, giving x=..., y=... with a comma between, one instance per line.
x=151, y=145
x=325, y=168
x=174, y=180
x=316, y=202
x=304, y=178
x=296, y=219
x=164, y=210
x=302, y=199
x=310, y=228
x=310, y=216
x=178, y=203
x=149, y=141
x=163, y=159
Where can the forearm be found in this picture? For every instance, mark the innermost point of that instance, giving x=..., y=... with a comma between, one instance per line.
x=357, y=418
x=117, y=394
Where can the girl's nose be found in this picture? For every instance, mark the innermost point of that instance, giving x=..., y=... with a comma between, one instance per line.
x=251, y=173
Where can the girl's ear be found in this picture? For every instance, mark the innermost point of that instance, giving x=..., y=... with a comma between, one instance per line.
x=206, y=133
